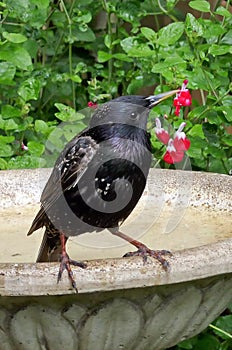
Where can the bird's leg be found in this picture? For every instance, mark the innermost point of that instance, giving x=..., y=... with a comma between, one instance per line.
x=143, y=250
x=65, y=263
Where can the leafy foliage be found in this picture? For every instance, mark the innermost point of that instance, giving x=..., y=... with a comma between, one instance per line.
x=67, y=53
x=218, y=336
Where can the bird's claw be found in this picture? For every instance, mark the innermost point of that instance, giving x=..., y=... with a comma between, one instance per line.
x=144, y=252
x=65, y=263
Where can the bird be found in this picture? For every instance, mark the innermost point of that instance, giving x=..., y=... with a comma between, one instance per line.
x=98, y=179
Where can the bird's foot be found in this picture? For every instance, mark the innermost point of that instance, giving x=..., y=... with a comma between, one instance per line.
x=65, y=263
x=144, y=252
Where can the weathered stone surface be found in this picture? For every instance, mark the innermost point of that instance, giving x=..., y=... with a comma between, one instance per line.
x=122, y=303
x=151, y=318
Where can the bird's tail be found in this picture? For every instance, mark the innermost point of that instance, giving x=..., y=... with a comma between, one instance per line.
x=38, y=222
x=50, y=247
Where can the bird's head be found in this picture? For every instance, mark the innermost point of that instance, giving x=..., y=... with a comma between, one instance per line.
x=131, y=110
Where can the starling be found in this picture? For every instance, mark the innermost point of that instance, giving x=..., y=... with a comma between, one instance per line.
x=98, y=179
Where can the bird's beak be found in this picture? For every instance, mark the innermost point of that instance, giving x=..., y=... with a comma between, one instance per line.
x=155, y=99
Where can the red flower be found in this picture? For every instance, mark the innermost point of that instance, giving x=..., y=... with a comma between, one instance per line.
x=92, y=104
x=181, y=143
x=173, y=155
x=161, y=133
x=183, y=98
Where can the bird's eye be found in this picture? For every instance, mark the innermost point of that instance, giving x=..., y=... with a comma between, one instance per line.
x=134, y=116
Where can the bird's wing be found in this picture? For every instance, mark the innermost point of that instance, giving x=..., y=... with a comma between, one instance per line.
x=70, y=166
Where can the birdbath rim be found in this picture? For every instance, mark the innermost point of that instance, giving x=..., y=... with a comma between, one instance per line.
x=28, y=279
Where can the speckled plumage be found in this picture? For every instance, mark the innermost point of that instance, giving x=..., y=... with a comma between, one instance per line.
x=99, y=176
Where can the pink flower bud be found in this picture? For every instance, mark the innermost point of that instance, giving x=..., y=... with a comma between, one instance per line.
x=92, y=104
x=181, y=143
x=24, y=147
x=173, y=155
x=161, y=133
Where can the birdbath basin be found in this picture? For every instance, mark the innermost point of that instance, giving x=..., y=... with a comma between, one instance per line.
x=122, y=303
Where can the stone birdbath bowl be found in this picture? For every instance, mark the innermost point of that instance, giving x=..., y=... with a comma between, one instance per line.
x=122, y=303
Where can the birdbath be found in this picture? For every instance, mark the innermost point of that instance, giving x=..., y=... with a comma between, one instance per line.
x=122, y=303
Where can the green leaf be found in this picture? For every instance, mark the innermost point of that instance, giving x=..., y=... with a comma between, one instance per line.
x=222, y=11
x=213, y=117
x=14, y=37
x=37, y=15
x=149, y=34
x=75, y=77
x=212, y=30
x=55, y=142
x=224, y=323
x=227, y=38
x=217, y=50
x=203, y=6
x=122, y=57
x=67, y=113
x=169, y=34
x=169, y=62
x=35, y=148
x=227, y=140
x=215, y=151
x=41, y=126
x=192, y=26
x=31, y=46
x=104, y=56
x=227, y=101
x=70, y=130
x=187, y=344
x=141, y=50
x=6, y=139
x=197, y=111
x=25, y=162
x=128, y=43
x=198, y=78
x=107, y=41
x=3, y=164
x=194, y=151
x=5, y=150
x=88, y=35
x=30, y=89
x=128, y=11
x=9, y=111
x=227, y=112
x=41, y=3
x=17, y=55
x=196, y=130
x=10, y=124
x=135, y=85
x=7, y=73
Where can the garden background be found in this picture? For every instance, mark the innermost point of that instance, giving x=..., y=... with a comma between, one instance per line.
x=56, y=56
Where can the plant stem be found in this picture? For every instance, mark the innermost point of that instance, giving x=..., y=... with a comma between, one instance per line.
x=110, y=34
x=202, y=97
x=166, y=12
x=221, y=331
x=70, y=49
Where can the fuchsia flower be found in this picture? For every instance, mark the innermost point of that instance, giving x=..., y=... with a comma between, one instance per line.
x=175, y=147
x=92, y=104
x=183, y=98
x=161, y=133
